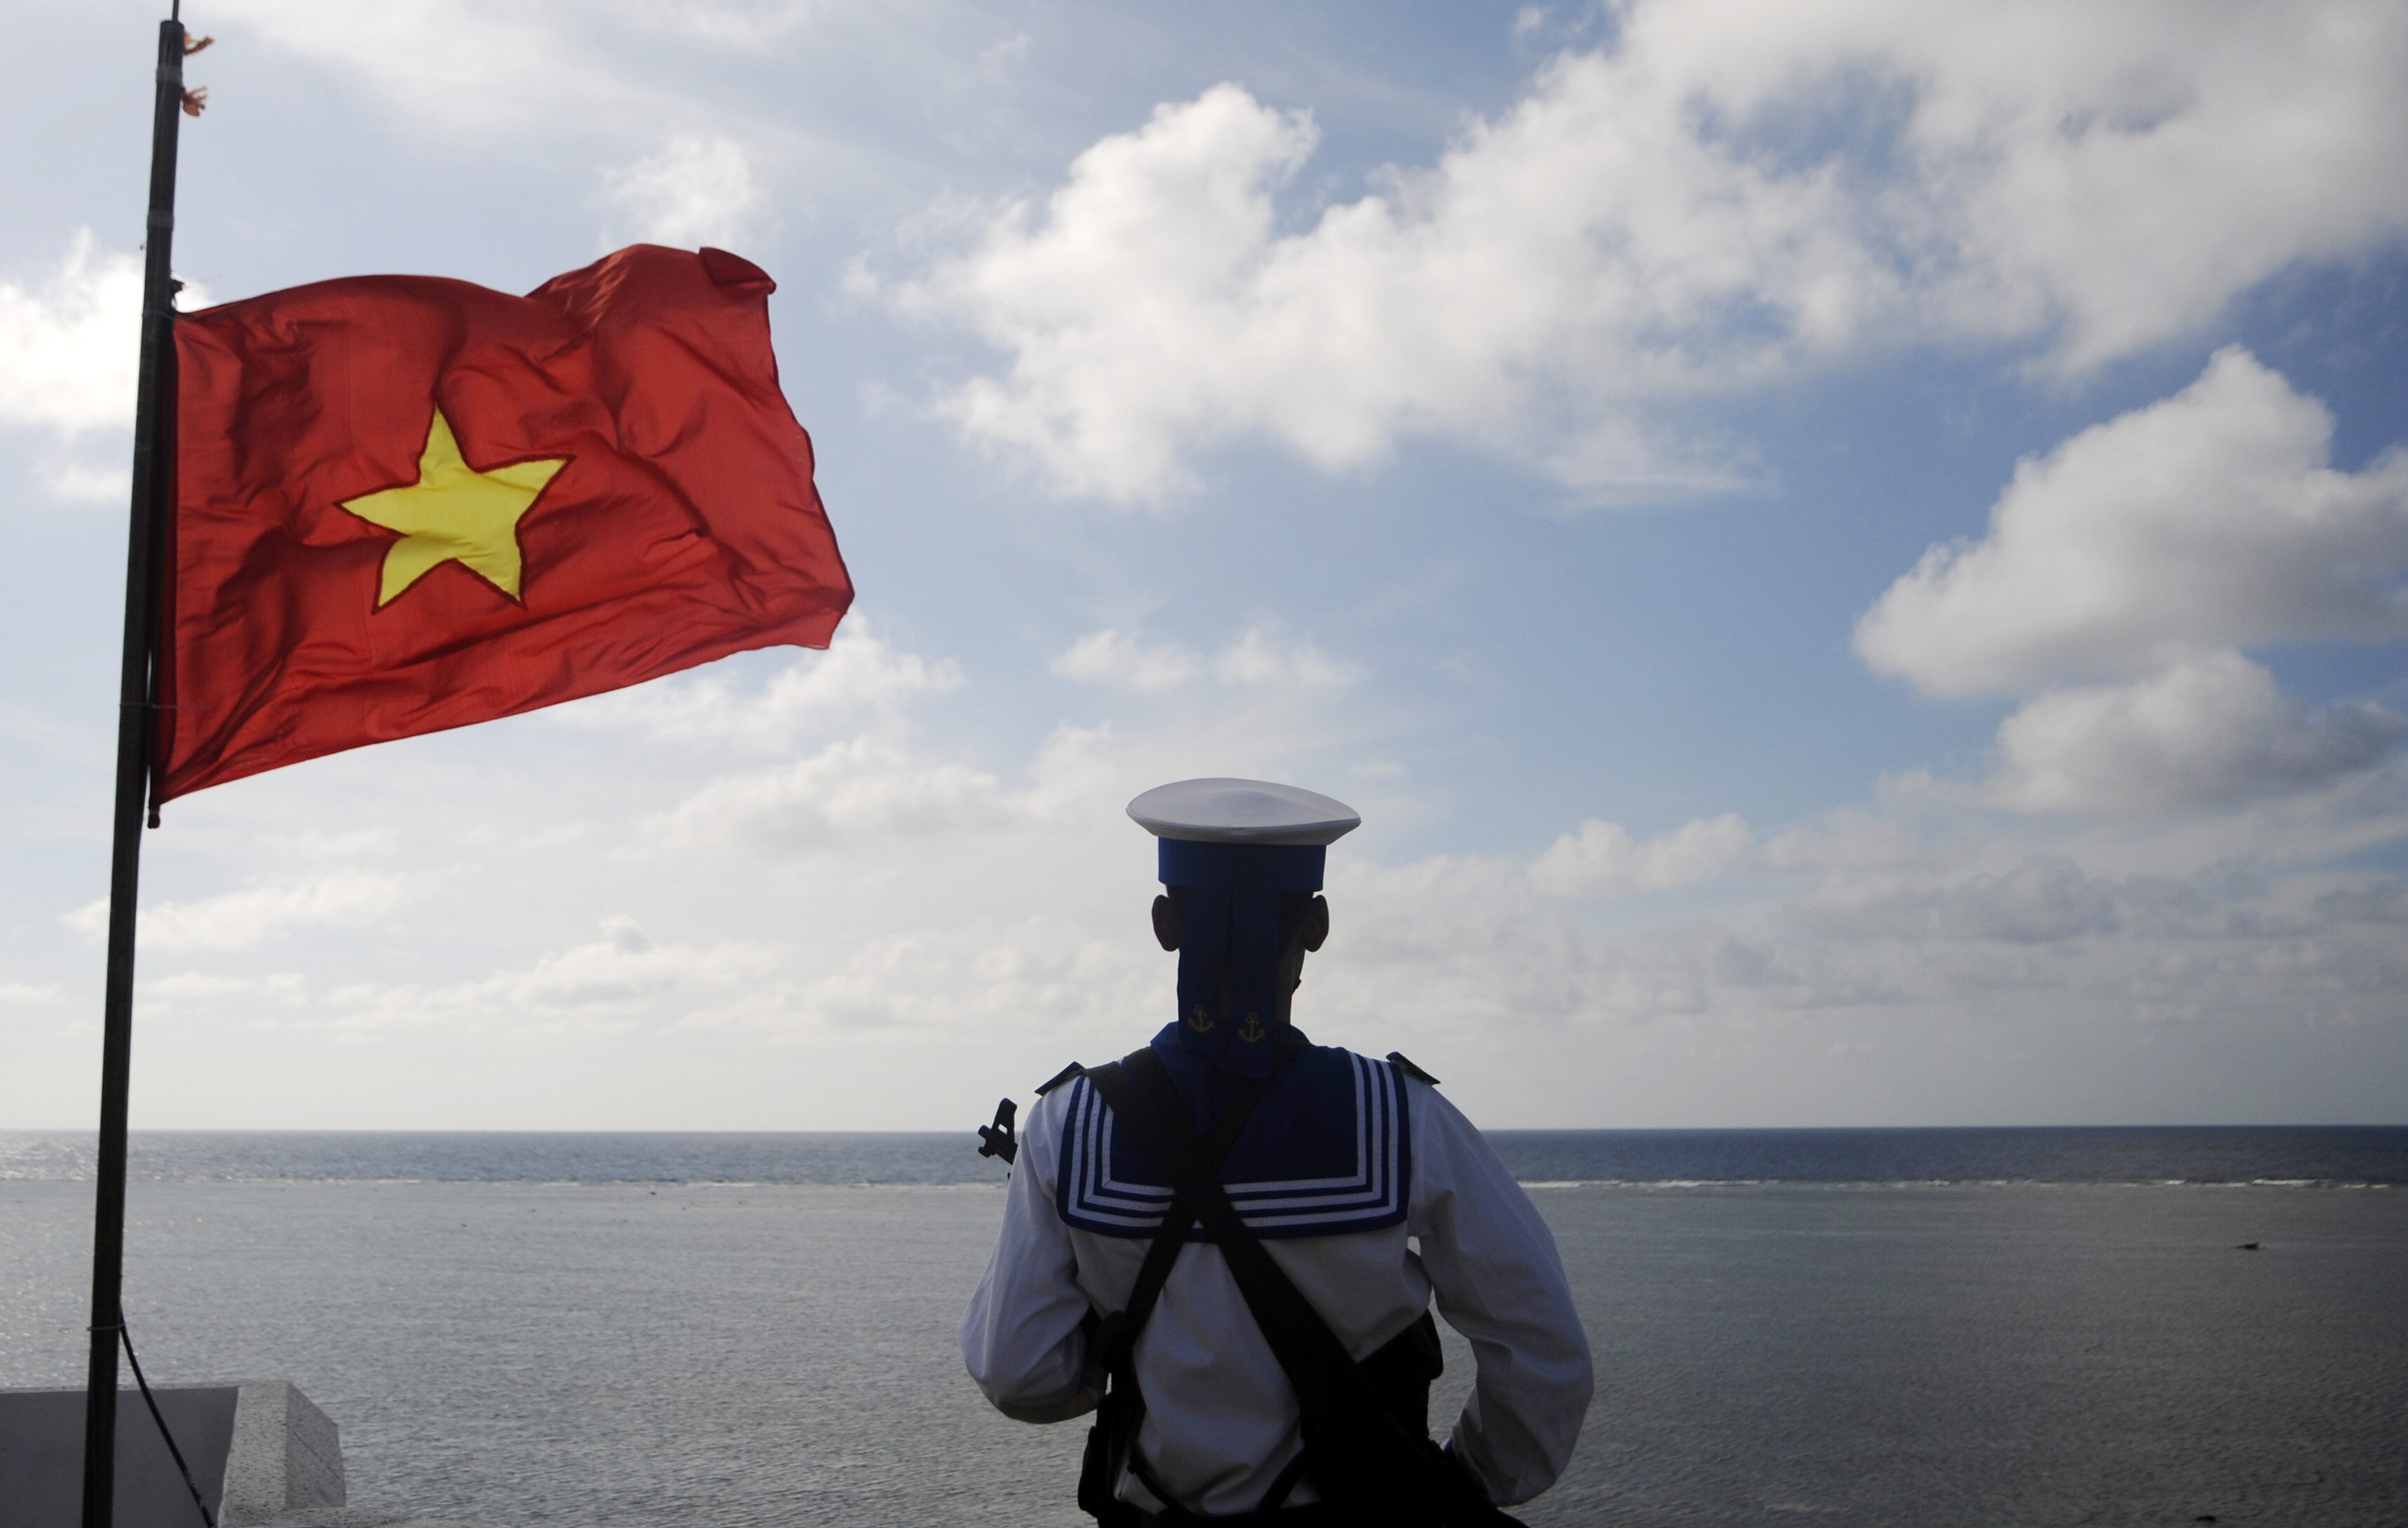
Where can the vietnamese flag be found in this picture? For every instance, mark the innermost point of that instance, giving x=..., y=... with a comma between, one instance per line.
x=404, y=504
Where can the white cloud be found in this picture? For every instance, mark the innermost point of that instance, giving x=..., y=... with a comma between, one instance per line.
x=622, y=975
x=2208, y=520
x=282, y=987
x=859, y=675
x=1262, y=658
x=460, y=67
x=964, y=980
x=875, y=788
x=2149, y=549
x=1004, y=60
x=240, y=918
x=988, y=920
x=27, y=992
x=698, y=189
x=1124, y=660
x=866, y=786
x=35, y=733
x=1849, y=840
x=69, y=346
x=85, y=483
x=730, y=23
x=1602, y=860
x=1721, y=197
x=1258, y=658
x=2043, y=899
x=1947, y=944
x=2206, y=731
x=457, y=66
x=625, y=967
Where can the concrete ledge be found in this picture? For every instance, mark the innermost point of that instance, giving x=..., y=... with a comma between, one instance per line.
x=262, y=1454
x=41, y=1455
x=286, y=1458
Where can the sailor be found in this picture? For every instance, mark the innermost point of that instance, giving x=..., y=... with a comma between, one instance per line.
x=1231, y=1238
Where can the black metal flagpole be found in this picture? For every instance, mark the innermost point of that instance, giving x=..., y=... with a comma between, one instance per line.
x=152, y=405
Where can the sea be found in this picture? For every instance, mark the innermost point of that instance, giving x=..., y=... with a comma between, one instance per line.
x=1883, y=1327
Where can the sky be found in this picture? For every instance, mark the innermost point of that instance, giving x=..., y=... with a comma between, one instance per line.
x=1853, y=558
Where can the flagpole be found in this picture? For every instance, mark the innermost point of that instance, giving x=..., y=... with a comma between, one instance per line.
x=152, y=403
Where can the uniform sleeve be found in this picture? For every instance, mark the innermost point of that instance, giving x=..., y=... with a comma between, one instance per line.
x=1021, y=1337
x=1500, y=1282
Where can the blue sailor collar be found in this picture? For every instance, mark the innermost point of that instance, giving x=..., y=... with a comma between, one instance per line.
x=1329, y=1150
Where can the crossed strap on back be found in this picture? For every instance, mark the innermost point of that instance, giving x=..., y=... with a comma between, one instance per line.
x=1111, y=1442
x=1360, y=1458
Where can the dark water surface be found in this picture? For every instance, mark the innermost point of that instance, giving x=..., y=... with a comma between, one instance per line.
x=1877, y=1327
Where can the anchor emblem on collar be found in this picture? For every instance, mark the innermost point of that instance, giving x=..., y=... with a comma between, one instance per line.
x=1252, y=1031
x=1200, y=1023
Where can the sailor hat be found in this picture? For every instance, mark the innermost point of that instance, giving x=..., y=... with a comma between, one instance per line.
x=1234, y=811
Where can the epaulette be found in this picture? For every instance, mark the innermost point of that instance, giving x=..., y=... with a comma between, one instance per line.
x=1065, y=1075
x=1396, y=1058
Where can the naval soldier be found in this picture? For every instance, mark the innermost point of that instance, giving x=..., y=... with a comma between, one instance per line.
x=1226, y=1244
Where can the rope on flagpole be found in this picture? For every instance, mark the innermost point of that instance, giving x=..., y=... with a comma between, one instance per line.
x=209, y=1519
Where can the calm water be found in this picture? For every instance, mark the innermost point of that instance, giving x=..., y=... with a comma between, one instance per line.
x=1880, y=1327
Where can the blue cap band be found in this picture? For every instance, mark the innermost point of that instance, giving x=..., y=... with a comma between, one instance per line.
x=1242, y=867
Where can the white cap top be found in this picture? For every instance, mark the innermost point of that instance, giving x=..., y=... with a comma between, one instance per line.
x=1231, y=812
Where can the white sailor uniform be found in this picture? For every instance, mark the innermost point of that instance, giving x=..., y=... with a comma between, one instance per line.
x=1389, y=1195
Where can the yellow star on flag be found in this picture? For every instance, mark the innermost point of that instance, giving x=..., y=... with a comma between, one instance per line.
x=455, y=514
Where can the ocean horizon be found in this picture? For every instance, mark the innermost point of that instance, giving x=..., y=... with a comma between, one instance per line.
x=2341, y=1156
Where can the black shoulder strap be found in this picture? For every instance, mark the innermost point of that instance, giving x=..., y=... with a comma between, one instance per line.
x=1176, y=1219
x=1144, y=1102
x=1354, y=1451
x=1112, y=1444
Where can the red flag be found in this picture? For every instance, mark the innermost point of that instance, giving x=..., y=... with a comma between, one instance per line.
x=405, y=503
